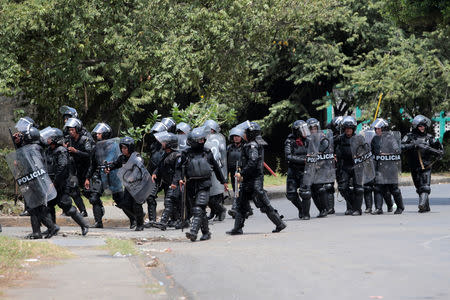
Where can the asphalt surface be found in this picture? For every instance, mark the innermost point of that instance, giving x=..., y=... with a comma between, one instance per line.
x=339, y=257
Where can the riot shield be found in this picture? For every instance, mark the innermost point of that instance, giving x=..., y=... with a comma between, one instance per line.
x=368, y=135
x=107, y=151
x=362, y=159
x=218, y=146
x=28, y=168
x=182, y=142
x=320, y=165
x=388, y=161
x=136, y=178
x=325, y=164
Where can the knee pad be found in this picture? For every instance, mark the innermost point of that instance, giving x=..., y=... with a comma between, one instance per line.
x=197, y=211
x=266, y=209
x=202, y=198
x=322, y=189
x=378, y=188
x=305, y=193
x=329, y=187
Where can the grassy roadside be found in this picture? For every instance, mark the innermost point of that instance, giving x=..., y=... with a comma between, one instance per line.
x=15, y=252
x=124, y=247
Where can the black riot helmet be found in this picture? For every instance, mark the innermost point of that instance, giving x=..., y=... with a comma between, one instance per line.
x=313, y=122
x=170, y=139
x=55, y=135
x=104, y=129
x=300, y=129
x=211, y=124
x=253, y=131
x=420, y=120
x=171, y=125
x=28, y=132
x=197, y=137
x=183, y=127
x=236, y=131
x=127, y=142
x=335, y=124
x=158, y=127
x=380, y=123
x=73, y=123
x=68, y=112
x=349, y=122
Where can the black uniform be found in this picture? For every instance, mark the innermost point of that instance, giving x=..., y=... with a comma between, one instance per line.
x=252, y=187
x=131, y=206
x=58, y=170
x=156, y=154
x=421, y=151
x=165, y=172
x=96, y=190
x=196, y=165
x=74, y=183
x=80, y=163
x=384, y=191
x=234, y=153
x=295, y=151
x=352, y=192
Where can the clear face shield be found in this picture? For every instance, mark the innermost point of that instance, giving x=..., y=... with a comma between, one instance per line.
x=23, y=125
x=304, y=130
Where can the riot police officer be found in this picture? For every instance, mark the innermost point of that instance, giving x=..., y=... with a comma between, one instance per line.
x=127, y=147
x=164, y=173
x=195, y=164
x=295, y=151
x=386, y=151
x=80, y=148
x=348, y=186
x=216, y=142
x=253, y=180
x=38, y=191
x=335, y=127
x=57, y=158
x=106, y=148
x=422, y=150
x=234, y=151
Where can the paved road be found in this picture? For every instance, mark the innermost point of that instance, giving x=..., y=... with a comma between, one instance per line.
x=339, y=257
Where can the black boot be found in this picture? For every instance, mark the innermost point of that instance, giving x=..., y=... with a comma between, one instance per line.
x=306, y=205
x=388, y=199
x=206, y=234
x=276, y=219
x=399, y=202
x=331, y=210
x=298, y=204
x=424, y=205
x=232, y=211
x=349, y=209
x=368, y=199
x=198, y=215
x=151, y=205
x=78, y=218
x=36, y=227
x=238, y=225
x=357, y=201
x=46, y=219
x=98, y=211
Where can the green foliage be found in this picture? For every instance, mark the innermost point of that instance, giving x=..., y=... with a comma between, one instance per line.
x=419, y=15
x=6, y=178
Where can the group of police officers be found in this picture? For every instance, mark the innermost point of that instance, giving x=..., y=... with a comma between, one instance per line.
x=192, y=167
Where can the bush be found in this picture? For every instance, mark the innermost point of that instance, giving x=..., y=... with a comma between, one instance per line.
x=6, y=178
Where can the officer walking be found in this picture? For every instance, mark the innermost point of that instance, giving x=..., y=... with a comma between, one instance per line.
x=253, y=180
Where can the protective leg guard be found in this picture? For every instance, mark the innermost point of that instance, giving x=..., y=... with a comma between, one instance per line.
x=206, y=234
x=357, y=201
x=398, y=198
x=78, y=218
x=368, y=199
x=36, y=227
x=388, y=199
x=197, y=220
x=46, y=219
x=151, y=204
x=276, y=219
x=139, y=214
x=378, y=194
x=305, y=194
x=331, y=203
x=98, y=211
x=424, y=205
x=80, y=204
